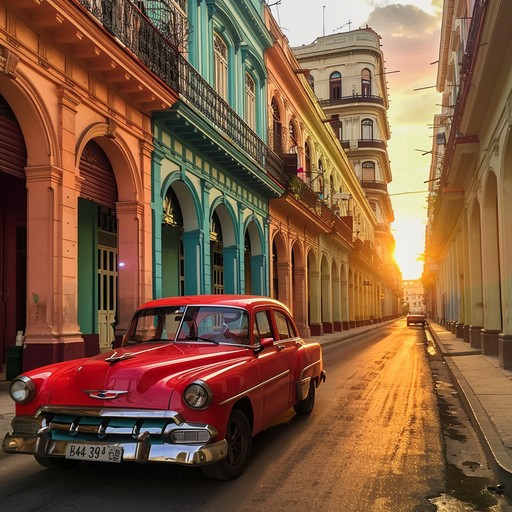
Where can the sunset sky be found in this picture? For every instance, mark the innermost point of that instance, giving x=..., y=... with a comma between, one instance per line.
x=410, y=42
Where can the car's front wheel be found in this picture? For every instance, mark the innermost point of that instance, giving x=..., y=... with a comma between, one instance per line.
x=239, y=438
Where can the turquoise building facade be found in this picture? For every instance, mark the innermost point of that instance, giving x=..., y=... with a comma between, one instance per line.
x=212, y=175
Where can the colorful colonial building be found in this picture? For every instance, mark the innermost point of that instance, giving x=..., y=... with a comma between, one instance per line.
x=468, y=269
x=167, y=147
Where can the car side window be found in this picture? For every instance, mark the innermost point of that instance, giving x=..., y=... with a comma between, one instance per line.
x=284, y=326
x=262, y=328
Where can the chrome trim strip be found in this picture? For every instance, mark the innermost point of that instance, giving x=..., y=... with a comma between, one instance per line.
x=111, y=413
x=250, y=390
x=306, y=368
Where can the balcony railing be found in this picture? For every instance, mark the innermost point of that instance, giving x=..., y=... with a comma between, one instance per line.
x=355, y=98
x=160, y=53
x=371, y=143
x=376, y=185
x=303, y=193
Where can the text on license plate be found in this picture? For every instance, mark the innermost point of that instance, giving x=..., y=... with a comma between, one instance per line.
x=95, y=452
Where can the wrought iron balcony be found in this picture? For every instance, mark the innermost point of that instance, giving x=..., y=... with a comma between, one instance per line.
x=371, y=143
x=340, y=225
x=160, y=53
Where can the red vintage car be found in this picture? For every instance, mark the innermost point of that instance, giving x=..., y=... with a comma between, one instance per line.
x=195, y=378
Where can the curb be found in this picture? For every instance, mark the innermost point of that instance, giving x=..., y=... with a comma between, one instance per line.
x=497, y=456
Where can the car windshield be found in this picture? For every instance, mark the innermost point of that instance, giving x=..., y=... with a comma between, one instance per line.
x=216, y=324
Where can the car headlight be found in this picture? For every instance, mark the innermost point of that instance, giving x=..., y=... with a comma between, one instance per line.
x=22, y=390
x=198, y=395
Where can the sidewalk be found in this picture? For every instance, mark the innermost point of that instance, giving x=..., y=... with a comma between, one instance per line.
x=484, y=387
x=486, y=392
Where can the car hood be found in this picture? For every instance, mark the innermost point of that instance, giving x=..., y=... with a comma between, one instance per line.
x=142, y=376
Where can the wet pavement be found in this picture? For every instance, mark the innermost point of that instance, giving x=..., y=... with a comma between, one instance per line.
x=485, y=392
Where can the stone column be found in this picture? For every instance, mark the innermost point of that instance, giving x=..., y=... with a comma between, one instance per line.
x=490, y=345
x=505, y=351
x=52, y=332
x=475, y=336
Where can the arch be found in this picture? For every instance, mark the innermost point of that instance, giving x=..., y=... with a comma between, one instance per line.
x=255, y=232
x=13, y=239
x=280, y=271
x=129, y=181
x=223, y=22
x=276, y=130
x=227, y=219
x=366, y=82
x=254, y=61
x=254, y=263
x=335, y=92
x=367, y=129
x=35, y=122
x=225, y=254
x=187, y=196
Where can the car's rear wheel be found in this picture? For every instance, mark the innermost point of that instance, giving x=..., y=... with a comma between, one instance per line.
x=305, y=407
x=239, y=438
x=56, y=462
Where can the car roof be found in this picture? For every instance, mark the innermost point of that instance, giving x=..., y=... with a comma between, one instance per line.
x=245, y=301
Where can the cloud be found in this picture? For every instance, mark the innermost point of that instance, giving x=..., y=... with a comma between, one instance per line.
x=403, y=21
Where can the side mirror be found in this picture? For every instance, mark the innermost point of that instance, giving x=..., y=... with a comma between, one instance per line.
x=266, y=342
x=263, y=344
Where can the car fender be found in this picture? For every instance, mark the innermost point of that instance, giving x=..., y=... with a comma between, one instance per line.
x=231, y=383
x=308, y=365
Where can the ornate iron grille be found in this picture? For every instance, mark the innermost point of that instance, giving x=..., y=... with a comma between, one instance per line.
x=160, y=53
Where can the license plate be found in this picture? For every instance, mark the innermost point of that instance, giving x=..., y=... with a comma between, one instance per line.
x=94, y=452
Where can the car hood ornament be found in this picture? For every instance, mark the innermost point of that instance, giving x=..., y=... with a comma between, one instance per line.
x=114, y=358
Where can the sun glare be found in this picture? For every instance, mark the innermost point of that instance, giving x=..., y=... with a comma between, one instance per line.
x=410, y=242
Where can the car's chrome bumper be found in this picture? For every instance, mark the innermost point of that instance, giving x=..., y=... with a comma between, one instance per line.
x=193, y=455
x=42, y=438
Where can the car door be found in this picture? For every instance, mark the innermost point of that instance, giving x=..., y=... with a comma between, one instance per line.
x=273, y=363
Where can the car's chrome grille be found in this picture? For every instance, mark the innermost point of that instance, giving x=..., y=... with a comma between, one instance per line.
x=102, y=424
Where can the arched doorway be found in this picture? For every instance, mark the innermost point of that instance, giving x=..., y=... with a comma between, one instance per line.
x=216, y=255
x=13, y=229
x=97, y=250
x=173, y=260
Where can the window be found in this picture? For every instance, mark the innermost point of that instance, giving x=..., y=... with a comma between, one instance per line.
x=307, y=159
x=250, y=101
x=220, y=51
x=293, y=138
x=368, y=171
x=284, y=326
x=261, y=328
x=277, y=144
x=335, y=86
x=216, y=255
x=367, y=129
x=366, y=82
